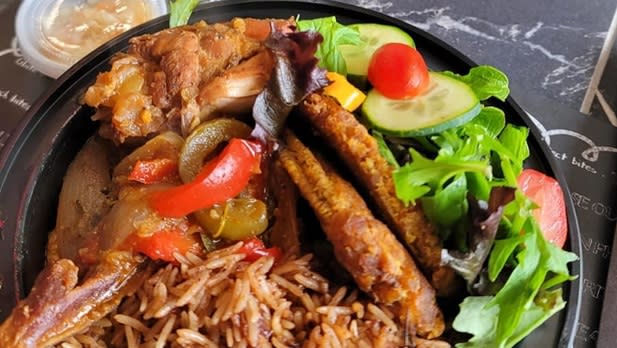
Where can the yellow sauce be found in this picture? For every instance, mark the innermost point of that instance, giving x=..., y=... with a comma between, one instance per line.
x=74, y=28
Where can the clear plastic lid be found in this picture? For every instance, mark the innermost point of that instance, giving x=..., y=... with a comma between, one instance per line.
x=54, y=34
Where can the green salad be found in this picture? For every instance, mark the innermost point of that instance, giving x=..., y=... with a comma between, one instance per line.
x=453, y=152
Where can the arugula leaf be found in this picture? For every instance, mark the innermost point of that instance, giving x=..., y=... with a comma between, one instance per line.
x=514, y=138
x=484, y=224
x=520, y=288
x=522, y=303
x=558, y=260
x=180, y=11
x=334, y=34
x=537, y=259
x=478, y=319
x=448, y=206
x=384, y=150
x=478, y=184
x=422, y=175
x=502, y=249
x=486, y=81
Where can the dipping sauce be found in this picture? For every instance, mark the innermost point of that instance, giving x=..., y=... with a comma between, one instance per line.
x=74, y=28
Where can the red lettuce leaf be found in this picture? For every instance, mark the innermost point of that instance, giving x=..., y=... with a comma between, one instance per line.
x=295, y=75
x=485, y=220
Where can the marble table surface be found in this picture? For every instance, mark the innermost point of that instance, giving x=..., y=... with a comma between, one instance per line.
x=547, y=47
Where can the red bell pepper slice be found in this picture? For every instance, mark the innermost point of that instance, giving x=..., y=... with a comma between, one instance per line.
x=163, y=244
x=254, y=248
x=222, y=178
x=153, y=171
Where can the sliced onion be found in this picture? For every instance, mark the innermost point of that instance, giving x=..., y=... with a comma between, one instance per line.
x=85, y=198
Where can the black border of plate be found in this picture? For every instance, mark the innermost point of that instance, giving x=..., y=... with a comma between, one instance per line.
x=25, y=163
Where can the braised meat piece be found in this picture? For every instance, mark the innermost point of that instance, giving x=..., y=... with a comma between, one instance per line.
x=91, y=265
x=59, y=307
x=162, y=83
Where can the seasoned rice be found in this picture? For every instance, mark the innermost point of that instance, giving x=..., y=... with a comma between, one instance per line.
x=223, y=301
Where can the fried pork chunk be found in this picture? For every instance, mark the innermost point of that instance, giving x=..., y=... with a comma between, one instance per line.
x=176, y=78
x=379, y=264
x=360, y=152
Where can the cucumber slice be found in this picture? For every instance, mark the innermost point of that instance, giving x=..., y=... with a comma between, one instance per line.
x=357, y=58
x=446, y=104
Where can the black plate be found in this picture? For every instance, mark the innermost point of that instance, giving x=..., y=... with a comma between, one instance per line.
x=34, y=162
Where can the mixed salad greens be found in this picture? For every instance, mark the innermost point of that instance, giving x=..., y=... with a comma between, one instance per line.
x=457, y=156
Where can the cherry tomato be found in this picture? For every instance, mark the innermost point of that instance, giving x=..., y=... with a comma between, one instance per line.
x=398, y=71
x=547, y=194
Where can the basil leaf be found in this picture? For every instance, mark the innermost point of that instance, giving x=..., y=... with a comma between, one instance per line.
x=486, y=81
x=334, y=35
x=492, y=119
x=180, y=11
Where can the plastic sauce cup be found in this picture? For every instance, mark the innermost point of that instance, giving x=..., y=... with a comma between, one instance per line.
x=54, y=34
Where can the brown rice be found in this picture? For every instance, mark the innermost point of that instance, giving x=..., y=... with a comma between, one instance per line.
x=223, y=301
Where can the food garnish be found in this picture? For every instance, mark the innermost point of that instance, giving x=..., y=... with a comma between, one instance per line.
x=485, y=81
x=547, y=195
x=348, y=95
x=446, y=104
x=334, y=36
x=295, y=75
x=398, y=71
x=357, y=57
x=153, y=171
x=254, y=249
x=447, y=172
x=180, y=11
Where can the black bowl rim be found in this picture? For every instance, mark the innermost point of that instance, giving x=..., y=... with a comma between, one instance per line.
x=11, y=149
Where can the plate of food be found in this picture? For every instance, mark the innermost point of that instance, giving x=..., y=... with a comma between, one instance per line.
x=281, y=173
